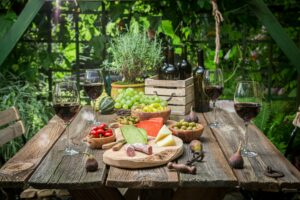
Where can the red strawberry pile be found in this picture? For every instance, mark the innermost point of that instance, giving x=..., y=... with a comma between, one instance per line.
x=101, y=131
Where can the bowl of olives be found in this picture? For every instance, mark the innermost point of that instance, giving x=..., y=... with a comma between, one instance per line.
x=187, y=131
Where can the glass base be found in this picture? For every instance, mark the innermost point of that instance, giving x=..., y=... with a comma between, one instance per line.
x=215, y=124
x=70, y=152
x=247, y=153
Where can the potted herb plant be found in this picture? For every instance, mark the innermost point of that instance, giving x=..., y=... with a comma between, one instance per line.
x=134, y=56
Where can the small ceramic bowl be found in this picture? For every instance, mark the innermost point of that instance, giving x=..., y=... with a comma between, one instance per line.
x=188, y=135
x=96, y=143
x=147, y=115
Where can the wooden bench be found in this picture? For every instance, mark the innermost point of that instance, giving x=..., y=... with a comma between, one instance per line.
x=15, y=128
x=16, y=171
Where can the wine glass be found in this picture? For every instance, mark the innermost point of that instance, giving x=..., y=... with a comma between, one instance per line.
x=247, y=104
x=213, y=87
x=66, y=105
x=93, y=86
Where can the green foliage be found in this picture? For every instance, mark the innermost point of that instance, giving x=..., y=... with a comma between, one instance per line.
x=275, y=120
x=262, y=120
x=134, y=55
x=33, y=109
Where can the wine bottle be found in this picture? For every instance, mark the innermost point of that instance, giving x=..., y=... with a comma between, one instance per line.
x=161, y=72
x=185, y=68
x=164, y=65
x=171, y=72
x=201, y=100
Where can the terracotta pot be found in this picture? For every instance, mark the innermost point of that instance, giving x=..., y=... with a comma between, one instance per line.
x=115, y=87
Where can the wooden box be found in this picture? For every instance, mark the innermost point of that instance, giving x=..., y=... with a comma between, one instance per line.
x=181, y=90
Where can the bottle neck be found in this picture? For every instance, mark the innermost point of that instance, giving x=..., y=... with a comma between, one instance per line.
x=200, y=58
x=184, y=53
x=171, y=55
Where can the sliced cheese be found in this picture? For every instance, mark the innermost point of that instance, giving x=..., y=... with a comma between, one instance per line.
x=163, y=132
x=166, y=141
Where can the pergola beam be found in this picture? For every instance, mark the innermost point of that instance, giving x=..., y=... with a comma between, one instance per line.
x=10, y=39
x=277, y=32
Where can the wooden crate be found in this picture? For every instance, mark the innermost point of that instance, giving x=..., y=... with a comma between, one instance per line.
x=182, y=90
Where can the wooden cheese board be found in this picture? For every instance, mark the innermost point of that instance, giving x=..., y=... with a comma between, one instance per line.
x=160, y=156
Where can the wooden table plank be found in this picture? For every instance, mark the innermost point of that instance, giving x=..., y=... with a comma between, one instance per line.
x=252, y=177
x=214, y=171
x=62, y=171
x=159, y=177
x=30, y=156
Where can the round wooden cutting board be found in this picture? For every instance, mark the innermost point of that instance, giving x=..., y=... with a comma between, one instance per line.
x=160, y=156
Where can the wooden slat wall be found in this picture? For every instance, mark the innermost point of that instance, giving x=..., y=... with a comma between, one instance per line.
x=18, y=169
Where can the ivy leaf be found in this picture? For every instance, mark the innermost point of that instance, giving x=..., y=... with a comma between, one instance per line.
x=167, y=27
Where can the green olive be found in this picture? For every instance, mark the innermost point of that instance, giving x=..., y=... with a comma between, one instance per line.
x=189, y=128
x=185, y=123
x=183, y=127
x=192, y=124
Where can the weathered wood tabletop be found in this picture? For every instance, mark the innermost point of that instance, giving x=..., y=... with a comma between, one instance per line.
x=56, y=170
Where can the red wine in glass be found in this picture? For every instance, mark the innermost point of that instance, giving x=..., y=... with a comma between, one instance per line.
x=247, y=111
x=213, y=92
x=93, y=90
x=213, y=87
x=66, y=111
x=247, y=104
x=93, y=87
x=66, y=105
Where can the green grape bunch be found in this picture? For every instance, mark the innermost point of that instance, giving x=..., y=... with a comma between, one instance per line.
x=127, y=98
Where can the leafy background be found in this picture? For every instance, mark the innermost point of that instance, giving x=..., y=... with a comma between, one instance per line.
x=247, y=51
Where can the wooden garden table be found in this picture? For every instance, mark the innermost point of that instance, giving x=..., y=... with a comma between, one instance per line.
x=52, y=169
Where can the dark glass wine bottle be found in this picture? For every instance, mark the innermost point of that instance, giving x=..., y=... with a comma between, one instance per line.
x=164, y=43
x=171, y=72
x=201, y=100
x=185, y=68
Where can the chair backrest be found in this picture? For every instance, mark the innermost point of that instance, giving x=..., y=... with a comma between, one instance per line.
x=16, y=127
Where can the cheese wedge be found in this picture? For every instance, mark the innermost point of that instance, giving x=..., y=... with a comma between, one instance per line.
x=163, y=132
x=166, y=141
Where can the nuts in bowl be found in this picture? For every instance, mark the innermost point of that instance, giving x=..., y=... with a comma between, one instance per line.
x=187, y=131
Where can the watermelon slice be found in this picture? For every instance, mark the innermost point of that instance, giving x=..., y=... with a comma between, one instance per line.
x=152, y=125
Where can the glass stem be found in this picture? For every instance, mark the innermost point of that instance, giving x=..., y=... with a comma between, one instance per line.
x=215, y=111
x=246, y=136
x=94, y=109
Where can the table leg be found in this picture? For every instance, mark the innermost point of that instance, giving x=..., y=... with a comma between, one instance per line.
x=102, y=193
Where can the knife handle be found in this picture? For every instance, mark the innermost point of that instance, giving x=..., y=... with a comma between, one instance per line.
x=118, y=146
x=111, y=144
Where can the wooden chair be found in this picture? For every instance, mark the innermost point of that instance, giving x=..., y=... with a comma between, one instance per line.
x=15, y=128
